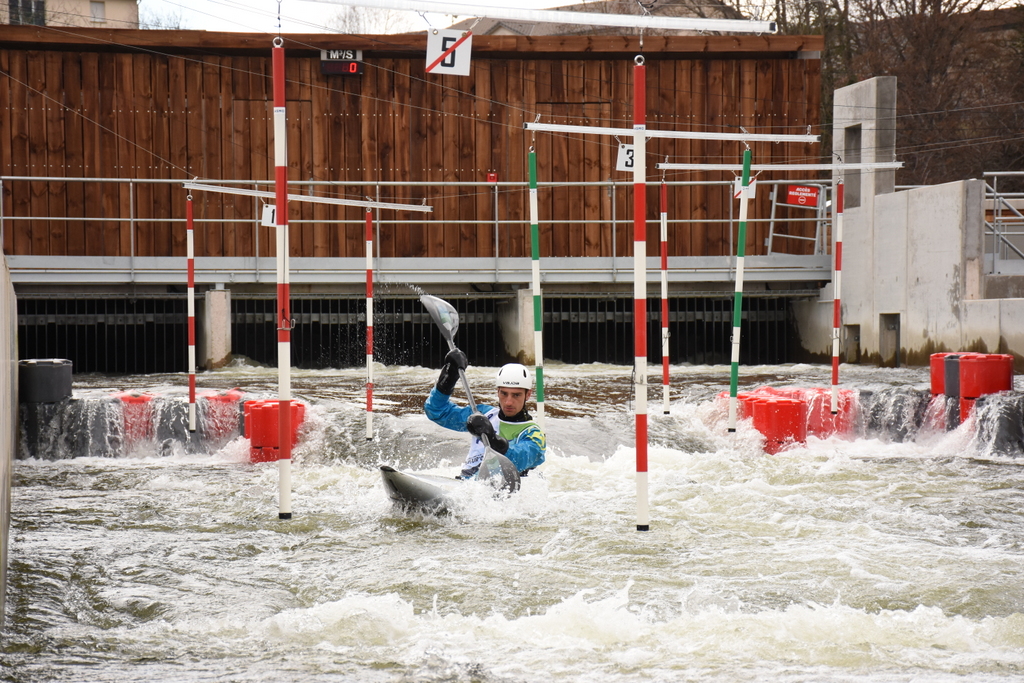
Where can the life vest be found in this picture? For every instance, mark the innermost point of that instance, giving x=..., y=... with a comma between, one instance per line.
x=510, y=431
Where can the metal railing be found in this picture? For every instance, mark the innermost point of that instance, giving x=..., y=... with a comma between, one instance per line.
x=505, y=266
x=1004, y=224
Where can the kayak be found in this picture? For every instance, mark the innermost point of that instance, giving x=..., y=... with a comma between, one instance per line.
x=428, y=492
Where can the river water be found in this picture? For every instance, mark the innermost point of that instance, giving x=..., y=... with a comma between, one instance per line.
x=840, y=560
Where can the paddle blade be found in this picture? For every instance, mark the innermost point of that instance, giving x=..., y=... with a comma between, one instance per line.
x=444, y=314
x=499, y=471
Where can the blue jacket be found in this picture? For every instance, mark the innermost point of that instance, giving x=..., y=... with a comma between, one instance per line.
x=526, y=449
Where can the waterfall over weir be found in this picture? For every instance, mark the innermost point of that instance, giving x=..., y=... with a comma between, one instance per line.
x=121, y=424
x=117, y=426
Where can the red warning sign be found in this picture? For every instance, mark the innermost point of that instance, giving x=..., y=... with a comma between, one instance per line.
x=802, y=195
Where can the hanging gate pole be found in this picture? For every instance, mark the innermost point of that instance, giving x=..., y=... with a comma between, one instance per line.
x=191, y=256
x=640, y=287
x=369, y=325
x=538, y=306
x=284, y=318
x=738, y=301
x=837, y=281
x=664, y=298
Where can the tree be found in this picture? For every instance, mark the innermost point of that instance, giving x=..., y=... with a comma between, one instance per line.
x=960, y=100
x=363, y=20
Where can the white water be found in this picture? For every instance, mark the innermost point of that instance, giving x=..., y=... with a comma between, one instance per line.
x=838, y=561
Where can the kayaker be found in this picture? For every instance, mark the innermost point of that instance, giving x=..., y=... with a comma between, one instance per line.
x=508, y=428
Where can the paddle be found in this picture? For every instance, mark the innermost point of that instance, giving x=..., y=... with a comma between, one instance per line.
x=494, y=464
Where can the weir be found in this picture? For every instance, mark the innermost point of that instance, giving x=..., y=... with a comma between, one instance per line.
x=127, y=424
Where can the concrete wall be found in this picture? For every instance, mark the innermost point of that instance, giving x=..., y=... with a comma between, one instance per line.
x=8, y=416
x=913, y=277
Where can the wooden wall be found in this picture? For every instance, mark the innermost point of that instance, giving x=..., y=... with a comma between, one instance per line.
x=187, y=104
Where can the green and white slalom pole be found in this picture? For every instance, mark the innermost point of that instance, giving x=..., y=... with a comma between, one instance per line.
x=738, y=301
x=538, y=307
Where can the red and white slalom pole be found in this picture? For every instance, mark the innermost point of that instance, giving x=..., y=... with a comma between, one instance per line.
x=837, y=281
x=369, y=325
x=191, y=255
x=664, y=298
x=284, y=316
x=640, y=286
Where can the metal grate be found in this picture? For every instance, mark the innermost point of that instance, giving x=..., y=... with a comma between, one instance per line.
x=148, y=334
x=331, y=331
x=600, y=330
x=116, y=335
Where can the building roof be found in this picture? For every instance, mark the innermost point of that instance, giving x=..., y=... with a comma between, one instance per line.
x=705, y=9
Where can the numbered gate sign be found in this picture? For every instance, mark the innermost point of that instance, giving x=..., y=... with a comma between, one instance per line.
x=802, y=195
x=269, y=218
x=625, y=161
x=448, y=52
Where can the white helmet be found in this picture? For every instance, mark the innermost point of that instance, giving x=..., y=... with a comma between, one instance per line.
x=514, y=375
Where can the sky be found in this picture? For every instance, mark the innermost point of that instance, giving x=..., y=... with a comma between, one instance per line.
x=296, y=16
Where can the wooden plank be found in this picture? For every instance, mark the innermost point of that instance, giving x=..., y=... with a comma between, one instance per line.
x=142, y=101
x=336, y=142
x=698, y=196
x=207, y=163
x=125, y=127
x=497, y=132
x=450, y=154
x=521, y=95
x=622, y=112
x=321, y=163
x=261, y=136
x=480, y=154
x=601, y=74
x=433, y=161
x=37, y=105
x=241, y=167
x=576, y=155
x=106, y=141
x=384, y=84
x=352, y=236
x=303, y=140
x=305, y=136
x=168, y=200
x=7, y=136
x=404, y=238
x=74, y=153
x=233, y=210
x=20, y=203
x=718, y=243
x=54, y=151
x=747, y=78
x=681, y=235
x=474, y=238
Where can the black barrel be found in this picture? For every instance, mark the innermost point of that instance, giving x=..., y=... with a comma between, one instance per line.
x=951, y=378
x=44, y=380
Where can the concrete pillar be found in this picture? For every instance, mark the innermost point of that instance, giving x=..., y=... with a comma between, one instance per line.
x=8, y=415
x=515, y=320
x=213, y=337
x=864, y=130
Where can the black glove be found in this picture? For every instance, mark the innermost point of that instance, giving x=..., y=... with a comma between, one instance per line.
x=480, y=426
x=449, y=377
